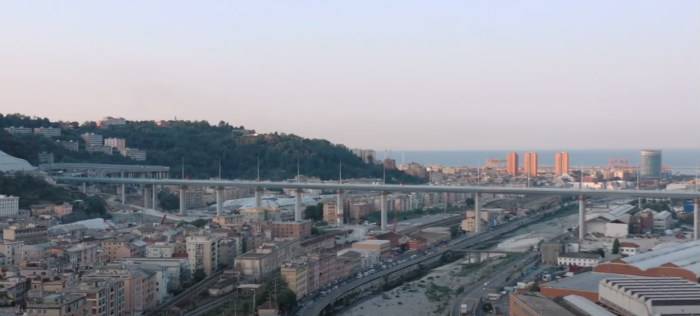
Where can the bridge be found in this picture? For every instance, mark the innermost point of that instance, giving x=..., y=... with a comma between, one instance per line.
x=384, y=189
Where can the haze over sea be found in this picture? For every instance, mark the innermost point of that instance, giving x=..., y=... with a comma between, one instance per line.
x=678, y=159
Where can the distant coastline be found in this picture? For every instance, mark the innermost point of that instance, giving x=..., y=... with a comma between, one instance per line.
x=675, y=158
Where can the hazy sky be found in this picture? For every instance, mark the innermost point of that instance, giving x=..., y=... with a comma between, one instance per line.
x=378, y=74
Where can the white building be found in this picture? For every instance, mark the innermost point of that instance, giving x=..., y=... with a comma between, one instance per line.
x=135, y=154
x=19, y=130
x=9, y=206
x=203, y=253
x=629, y=248
x=578, y=259
x=111, y=121
x=663, y=220
x=48, y=131
x=616, y=229
x=650, y=296
x=160, y=250
x=92, y=140
x=117, y=143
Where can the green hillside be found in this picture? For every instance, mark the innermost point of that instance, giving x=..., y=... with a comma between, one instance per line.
x=201, y=146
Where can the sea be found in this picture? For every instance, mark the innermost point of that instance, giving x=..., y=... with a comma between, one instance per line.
x=685, y=161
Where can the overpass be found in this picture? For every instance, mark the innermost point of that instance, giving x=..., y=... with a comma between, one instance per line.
x=384, y=189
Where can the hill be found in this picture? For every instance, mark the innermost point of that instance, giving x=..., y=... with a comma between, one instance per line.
x=202, y=146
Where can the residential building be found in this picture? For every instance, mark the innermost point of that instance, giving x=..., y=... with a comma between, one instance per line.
x=47, y=131
x=330, y=213
x=203, y=253
x=82, y=256
x=256, y=264
x=135, y=154
x=117, y=143
x=69, y=145
x=160, y=250
x=29, y=233
x=92, y=140
x=111, y=121
x=19, y=130
x=123, y=247
x=140, y=285
x=512, y=164
x=531, y=165
x=297, y=230
x=9, y=206
x=105, y=296
x=663, y=221
x=561, y=163
x=296, y=277
x=57, y=305
x=579, y=259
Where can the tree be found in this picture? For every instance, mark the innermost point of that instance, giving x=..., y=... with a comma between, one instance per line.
x=601, y=252
x=199, y=275
x=314, y=212
x=616, y=246
x=168, y=201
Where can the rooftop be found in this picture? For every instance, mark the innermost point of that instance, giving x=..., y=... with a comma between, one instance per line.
x=685, y=255
x=587, y=281
x=659, y=291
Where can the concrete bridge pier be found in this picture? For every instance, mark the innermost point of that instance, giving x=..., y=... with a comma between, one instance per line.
x=123, y=193
x=581, y=217
x=477, y=213
x=145, y=196
x=298, y=216
x=154, y=196
x=258, y=197
x=340, y=208
x=219, y=202
x=182, y=200
x=83, y=188
x=696, y=221
x=382, y=208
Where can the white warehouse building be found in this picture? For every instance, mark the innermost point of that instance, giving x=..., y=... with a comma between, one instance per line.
x=650, y=296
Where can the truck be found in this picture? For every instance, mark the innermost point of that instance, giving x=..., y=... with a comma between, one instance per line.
x=464, y=310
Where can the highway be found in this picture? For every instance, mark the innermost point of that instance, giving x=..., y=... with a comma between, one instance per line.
x=317, y=306
x=478, y=290
x=388, y=187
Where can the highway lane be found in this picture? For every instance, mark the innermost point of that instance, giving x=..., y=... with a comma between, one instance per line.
x=478, y=290
x=388, y=187
x=315, y=308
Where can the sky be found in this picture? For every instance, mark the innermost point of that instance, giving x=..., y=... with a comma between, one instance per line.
x=398, y=75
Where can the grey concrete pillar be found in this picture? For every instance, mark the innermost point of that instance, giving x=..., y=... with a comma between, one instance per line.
x=382, y=208
x=182, y=200
x=219, y=202
x=154, y=202
x=258, y=197
x=145, y=196
x=340, y=209
x=83, y=188
x=581, y=217
x=696, y=221
x=123, y=193
x=477, y=213
x=298, y=216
